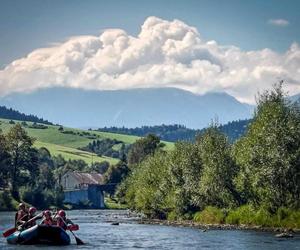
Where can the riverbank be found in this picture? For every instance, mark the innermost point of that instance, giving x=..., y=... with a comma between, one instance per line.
x=192, y=224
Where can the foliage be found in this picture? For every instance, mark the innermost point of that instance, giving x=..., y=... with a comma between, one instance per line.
x=210, y=215
x=23, y=160
x=107, y=147
x=216, y=185
x=249, y=215
x=142, y=148
x=269, y=154
x=9, y=113
x=173, y=133
x=256, y=180
x=148, y=187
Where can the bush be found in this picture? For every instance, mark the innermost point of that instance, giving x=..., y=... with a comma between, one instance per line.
x=210, y=215
x=172, y=216
x=5, y=201
x=242, y=215
x=287, y=218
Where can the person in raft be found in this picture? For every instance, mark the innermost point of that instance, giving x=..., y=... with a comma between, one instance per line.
x=47, y=219
x=62, y=221
x=21, y=215
x=31, y=214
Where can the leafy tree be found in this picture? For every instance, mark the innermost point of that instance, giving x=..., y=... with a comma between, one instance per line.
x=216, y=185
x=4, y=160
x=99, y=167
x=269, y=154
x=23, y=158
x=185, y=171
x=142, y=148
x=148, y=188
x=116, y=173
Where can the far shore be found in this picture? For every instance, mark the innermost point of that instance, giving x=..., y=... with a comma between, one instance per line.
x=205, y=227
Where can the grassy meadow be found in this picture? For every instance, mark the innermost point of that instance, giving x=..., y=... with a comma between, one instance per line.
x=67, y=143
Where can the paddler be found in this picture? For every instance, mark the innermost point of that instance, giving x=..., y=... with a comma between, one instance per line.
x=47, y=218
x=31, y=214
x=62, y=221
x=21, y=215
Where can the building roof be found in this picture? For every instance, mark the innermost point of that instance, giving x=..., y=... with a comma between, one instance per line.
x=87, y=178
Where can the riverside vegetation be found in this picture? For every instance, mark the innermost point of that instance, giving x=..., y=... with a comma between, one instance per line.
x=255, y=181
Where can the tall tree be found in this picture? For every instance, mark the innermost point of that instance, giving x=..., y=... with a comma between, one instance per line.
x=4, y=160
x=23, y=158
x=142, y=148
x=269, y=154
x=216, y=186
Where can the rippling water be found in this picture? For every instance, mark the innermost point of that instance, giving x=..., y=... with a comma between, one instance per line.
x=97, y=231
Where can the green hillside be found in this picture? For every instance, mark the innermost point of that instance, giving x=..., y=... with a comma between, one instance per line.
x=67, y=142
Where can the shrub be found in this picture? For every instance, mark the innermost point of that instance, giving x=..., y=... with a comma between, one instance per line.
x=172, y=216
x=5, y=201
x=210, y=215
x=242, y=215
x=287, y=218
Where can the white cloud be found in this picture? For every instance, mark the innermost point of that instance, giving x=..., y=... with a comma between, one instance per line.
x=164, y=54
x=279, y=22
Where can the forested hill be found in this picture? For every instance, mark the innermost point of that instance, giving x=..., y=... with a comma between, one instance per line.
x=173, y=133
x=9, y=113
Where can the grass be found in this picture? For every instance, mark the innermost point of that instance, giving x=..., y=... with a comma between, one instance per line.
x=73, y=153
x=67, y=144
x=111, y=204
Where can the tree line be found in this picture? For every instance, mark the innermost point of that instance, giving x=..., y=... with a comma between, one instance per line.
x=256, y=180
x=9, y=113
x=33, y=175
x=173, y=133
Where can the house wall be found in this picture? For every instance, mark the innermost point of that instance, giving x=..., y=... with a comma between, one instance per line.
x=92, y=194
x=68, y=182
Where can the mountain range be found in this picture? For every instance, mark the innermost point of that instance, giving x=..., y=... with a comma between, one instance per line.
x=129, y=108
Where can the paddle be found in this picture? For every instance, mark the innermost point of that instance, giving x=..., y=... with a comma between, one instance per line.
x=78, y=241
x=10, y=231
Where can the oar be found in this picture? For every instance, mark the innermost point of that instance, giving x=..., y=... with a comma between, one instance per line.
x=10, y=231
x=78, y=241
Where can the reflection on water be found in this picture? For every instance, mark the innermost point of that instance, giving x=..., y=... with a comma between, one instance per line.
x=97, y=231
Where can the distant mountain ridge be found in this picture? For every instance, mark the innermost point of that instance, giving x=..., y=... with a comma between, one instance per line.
x=128, y=108
x=9, y=113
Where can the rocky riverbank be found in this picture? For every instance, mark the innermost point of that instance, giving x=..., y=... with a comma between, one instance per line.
x=205, y=227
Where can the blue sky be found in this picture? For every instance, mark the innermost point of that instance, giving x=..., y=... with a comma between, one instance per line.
x=225, y=51
x=30, y=24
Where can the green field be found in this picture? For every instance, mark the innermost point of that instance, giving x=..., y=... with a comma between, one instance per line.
x=67, y=145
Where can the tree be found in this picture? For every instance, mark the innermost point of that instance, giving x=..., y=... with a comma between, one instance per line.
x=142, y=148
x=269, y=154
x=23, y=158
x=216, y=185
x=185, y=171
x=116, y=173
x=4, y=160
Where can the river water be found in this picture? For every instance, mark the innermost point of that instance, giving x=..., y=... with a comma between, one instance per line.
x=97, y=231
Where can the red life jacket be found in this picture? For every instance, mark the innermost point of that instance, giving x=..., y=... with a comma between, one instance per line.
x=48, y=222
x=61, y=223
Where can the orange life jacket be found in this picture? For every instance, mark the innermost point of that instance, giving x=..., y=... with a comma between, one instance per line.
x=60, y=222
x=48, y=222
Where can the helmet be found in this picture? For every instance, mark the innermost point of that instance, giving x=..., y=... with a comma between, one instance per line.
x=32, y=210
x=21, y=205
x=47, y=212
x=62, y=213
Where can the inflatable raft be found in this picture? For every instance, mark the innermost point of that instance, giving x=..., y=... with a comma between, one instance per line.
x=40, y=234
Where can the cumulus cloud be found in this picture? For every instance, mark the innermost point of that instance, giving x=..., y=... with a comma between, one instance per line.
x=163, y=54
x=279, y=22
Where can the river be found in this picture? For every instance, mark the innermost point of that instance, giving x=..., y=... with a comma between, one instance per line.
x=97, y=231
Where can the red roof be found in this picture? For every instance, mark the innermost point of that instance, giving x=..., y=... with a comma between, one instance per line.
x=87, y=178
